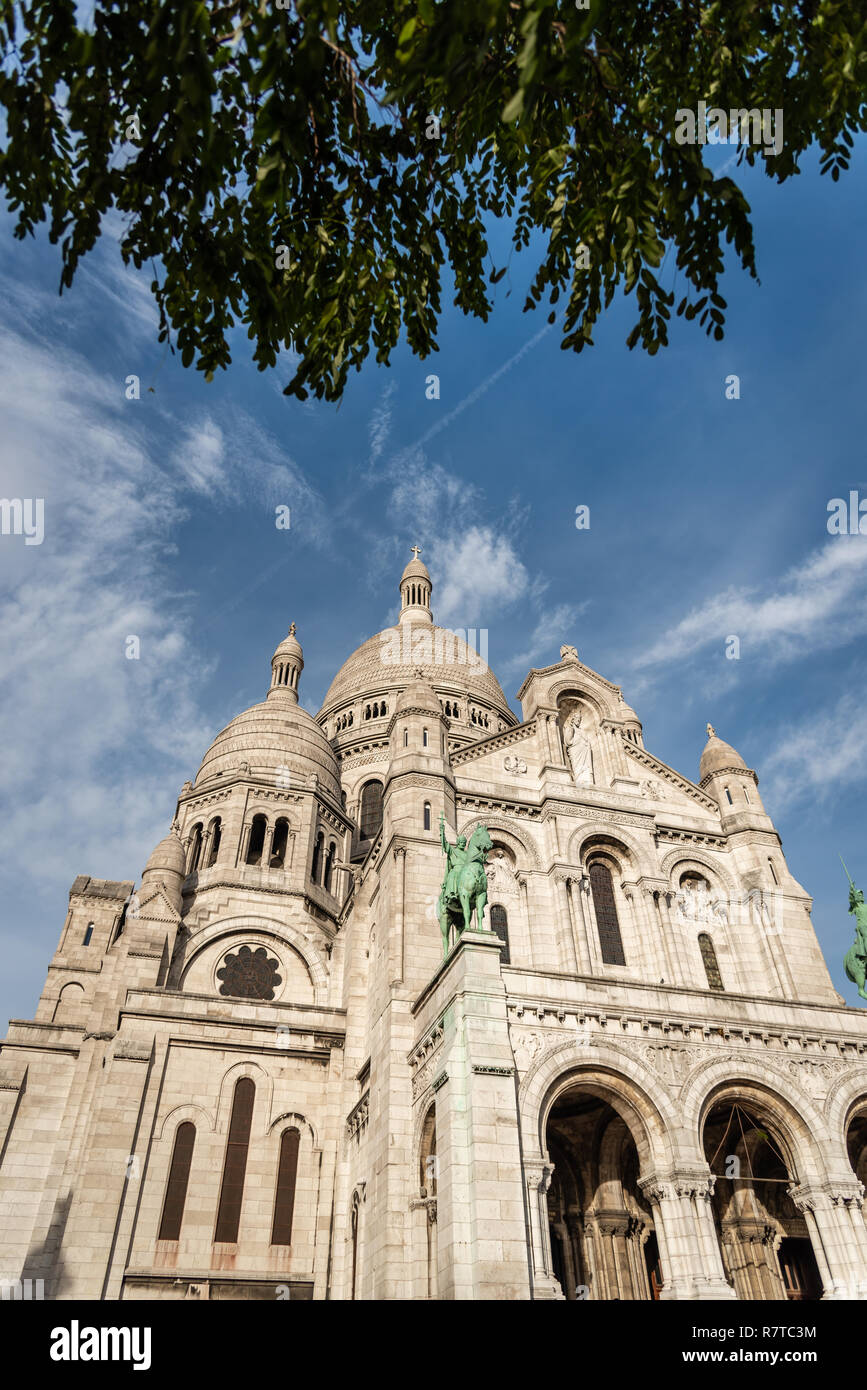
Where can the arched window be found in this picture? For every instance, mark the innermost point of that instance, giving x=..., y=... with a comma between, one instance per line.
x=500, y=928
x=371, y=810
x=235, y=1163
x=424, y=738
x=773, y=871
x=176, y=1187
x=88, y=935
x=216, y=832
x=427, y=815
x=284, y=1200
x=278, y=844
x=406, y=738
x=746, y=796
x=195, y=848
x=607, y=924
x=317, y=857
x=428, y=1155
x=729, y=797
x=257, y=840
x=329, y=866
x=711, y=965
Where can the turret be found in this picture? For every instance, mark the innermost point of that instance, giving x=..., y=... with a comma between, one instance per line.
x=418, y=750
x=724, y=775
x=415, y=592
x=287, y=663
x=167, y=866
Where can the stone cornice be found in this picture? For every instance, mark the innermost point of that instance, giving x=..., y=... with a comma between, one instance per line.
x=565, y=668
x=674, y=835
x=729, y=772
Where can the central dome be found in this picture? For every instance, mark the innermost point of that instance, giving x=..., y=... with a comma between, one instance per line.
x=417, y=649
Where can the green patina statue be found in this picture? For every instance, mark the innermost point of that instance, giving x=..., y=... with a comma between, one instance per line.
x=855, y=960
x=465, y=886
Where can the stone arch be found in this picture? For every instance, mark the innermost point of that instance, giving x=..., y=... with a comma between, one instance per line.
x=625, y=1082
x=264, y=1088
x=797, y=1125
x=846, y=1096
x=291, y=1117
x=195, y=1113
x=681, y=860
x=611, y=836
x=522, y=846
x=71, y=1004
x=263, y=926
x=570, y=688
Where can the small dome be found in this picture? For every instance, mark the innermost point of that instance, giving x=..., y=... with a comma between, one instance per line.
x=416, y=569
x=169, y=856
x=273, y=735
x=626, y=712
x=717, y=756
x=418, y=695
x=290, y=646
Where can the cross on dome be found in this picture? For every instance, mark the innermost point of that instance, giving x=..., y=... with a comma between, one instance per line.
x=416, y=551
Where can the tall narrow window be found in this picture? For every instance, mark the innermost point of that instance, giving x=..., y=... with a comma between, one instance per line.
x=354, y=1232
x=195, y=848
x=317, y=857
x=371, y=810
x=406, y=738
x=87, y=935
x=746, y=796
x=216, y=836
x=284, y=1201
x=329, y=867
x=602, y=889
x=278, y=844
x=235, y=1164
x=424, y=738
x=729, y=797
x=773, y=871
x=427, y=815
x=257, y=840
x=176, y=1187
x=711, y=965
x=500, y=928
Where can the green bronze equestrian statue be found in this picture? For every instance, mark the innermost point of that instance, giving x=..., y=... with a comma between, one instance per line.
x=855, y=960
x=465, y=886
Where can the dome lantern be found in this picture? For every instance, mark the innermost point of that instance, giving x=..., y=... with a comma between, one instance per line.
x=415, y=591
x=287, y=663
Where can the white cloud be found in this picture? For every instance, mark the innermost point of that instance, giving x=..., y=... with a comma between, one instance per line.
x=552, y=628
x=819, y=756
x=817, y=605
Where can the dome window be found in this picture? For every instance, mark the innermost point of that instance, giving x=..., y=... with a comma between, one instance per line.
x=329, y=867
x=256, y=842
x=317, y=857
x=371, y=810
x=215, y=834
x=195, y=848
x=279, y=843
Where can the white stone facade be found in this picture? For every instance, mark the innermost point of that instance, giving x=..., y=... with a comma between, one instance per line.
x=254, y=1076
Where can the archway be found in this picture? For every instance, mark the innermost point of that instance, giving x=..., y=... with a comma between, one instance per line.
x=603, y=1243
x=765, y=1241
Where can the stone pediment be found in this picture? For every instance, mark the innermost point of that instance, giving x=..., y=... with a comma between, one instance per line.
x=492, y=745
x=154, y=906
x=665, y=782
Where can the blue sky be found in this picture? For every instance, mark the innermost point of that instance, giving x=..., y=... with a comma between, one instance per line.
x=708, y=518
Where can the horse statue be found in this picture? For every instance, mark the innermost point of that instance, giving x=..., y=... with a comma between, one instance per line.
x=465, y=887
x=855, y=959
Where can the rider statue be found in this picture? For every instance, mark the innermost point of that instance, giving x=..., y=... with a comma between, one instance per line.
x=465, y=886
x=855, y=961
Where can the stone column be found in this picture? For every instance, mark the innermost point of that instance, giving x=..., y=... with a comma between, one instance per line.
x=266, y=846
x=846, y=1200
x=688, y=1248
x=591, y=936
x=527, y=924
x=397, y=971
x=567, y=951
x=840, y=1259
x=245, y=840
x=537, y=1176
x=576, y=923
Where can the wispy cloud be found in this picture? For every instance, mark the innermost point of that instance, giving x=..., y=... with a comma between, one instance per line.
x=819, y=756
x=819, y=604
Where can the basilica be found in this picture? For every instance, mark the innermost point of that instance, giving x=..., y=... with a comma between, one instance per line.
x=261, y=1072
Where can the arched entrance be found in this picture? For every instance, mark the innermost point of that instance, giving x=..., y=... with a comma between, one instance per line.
x=603, y=1243
x=765, y=1240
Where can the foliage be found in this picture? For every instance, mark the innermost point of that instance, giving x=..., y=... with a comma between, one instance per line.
x=285, y=174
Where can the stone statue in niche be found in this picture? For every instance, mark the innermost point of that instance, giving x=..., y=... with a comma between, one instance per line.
x=500, y=876
x=578, y=751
